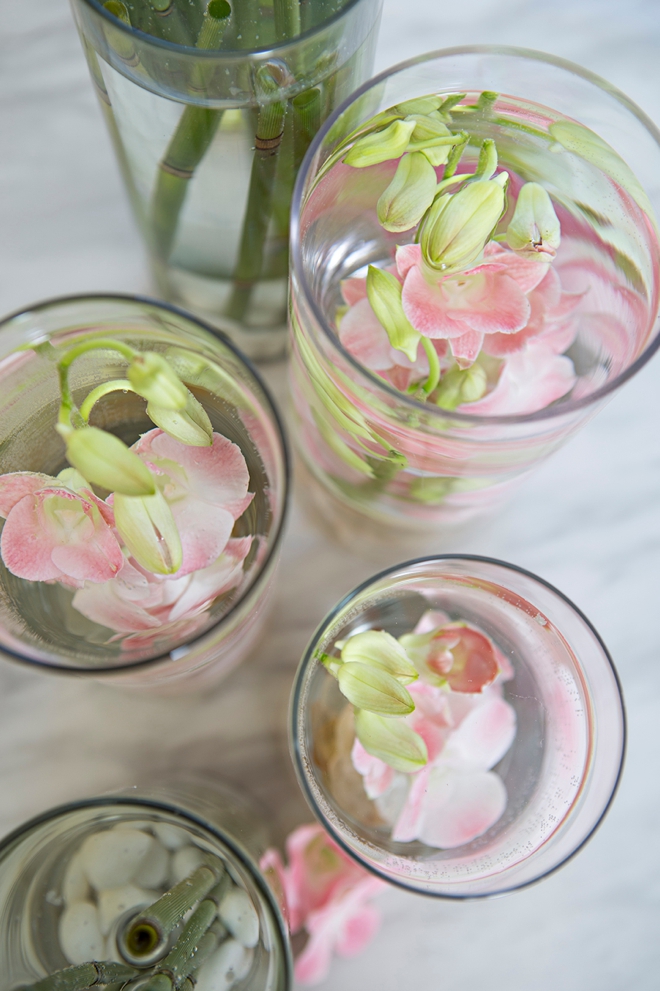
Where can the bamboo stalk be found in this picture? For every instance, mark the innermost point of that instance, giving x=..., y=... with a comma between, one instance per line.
x=287, y=18
x=258, y=211
x=85, y=975
x=306, y=122
x=170, y=21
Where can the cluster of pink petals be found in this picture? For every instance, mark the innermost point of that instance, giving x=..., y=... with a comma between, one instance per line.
x=509, y=307
x=456, y=796
x=53, y=533
x=325, y=893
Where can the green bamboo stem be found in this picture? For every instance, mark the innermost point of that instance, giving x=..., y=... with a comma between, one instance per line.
x=184, y=957
x=121, y=42
x=287, y=18
x=306, y=122
x=189, y=143
x=170, y=21
x=258, y=211
x=246, y=18
x=150, y=929
x=85, y=975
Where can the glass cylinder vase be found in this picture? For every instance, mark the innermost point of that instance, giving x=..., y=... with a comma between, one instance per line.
x=387, y=444
x=211, y=108
x=515, y=701
x=167, y=590
x=74, y=880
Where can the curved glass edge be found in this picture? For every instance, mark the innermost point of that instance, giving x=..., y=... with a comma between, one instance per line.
x=297, y=266
x=295, y=721
x=269, y=558
x=241, y=855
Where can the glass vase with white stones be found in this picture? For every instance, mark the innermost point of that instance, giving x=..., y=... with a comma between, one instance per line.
x=156, y=890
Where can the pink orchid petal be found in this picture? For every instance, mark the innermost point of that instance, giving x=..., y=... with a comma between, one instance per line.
x=207, y=584
x=313, y=964
x=484, y=736
x=204, y=530
x=460, y=806
x=496, y=305
x=407, y=256
x=353, y=290
x=466, y=348
x=527, y=272
x=427, y=307
x=25, y=552
x=362, y=334
x=358, y=929
x=17, y=484
x=104, y=604
x=529, y=381
x=378, y=775
x=431, y=620
x=408, y=826
x=474, y=662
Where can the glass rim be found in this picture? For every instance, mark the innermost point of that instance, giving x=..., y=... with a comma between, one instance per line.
x=300, y=765
x=212, y=53
x=241, y=855
x=269, y=557
x=298, y=267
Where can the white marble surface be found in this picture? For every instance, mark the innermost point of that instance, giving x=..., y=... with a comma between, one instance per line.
x=588, y=521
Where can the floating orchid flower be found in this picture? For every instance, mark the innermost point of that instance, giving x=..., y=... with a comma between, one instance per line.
x=455, y=655
x=327, y=894
x=54, y=532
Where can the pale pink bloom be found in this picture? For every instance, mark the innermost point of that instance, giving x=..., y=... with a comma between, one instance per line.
x=377, y=775
x=53, y=533
x=205, y=487
x=529, y=381
x=326, y=893
x=135, y=601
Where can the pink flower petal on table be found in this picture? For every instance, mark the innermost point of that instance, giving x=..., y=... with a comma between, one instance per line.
x=460, y=806
x=378, y=775
x=408, y=825
x=466, y=348
x=363, y=335
x=484, y=736
x=529, y=381
x=17, y=484
x=407, y=256
x=353, y=290
x=358, y=929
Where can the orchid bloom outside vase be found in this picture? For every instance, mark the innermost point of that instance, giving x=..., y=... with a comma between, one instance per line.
x=143, y=490
x=435, y=361
x=457, y=726
x=78, y=884
x=211, y=107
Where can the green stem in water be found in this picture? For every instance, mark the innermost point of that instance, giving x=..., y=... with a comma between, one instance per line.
x=287, y=18
x=115, y=385
x=434, y=366
x=85, y=975
x=258, y=211
x=97, y=344
x=170, y=21
x=306, y=122
x=120, y=41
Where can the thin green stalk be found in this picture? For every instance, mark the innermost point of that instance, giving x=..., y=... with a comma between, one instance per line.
x=121, y=42
x=201, y=931
x=306, y=122
x=259, y=208
x=115, y=385
x=97, y=344
x=434, y=366
x=189, y=143
x=171, y=23
x=287, y=18
x=85, y=975
x=246, y=18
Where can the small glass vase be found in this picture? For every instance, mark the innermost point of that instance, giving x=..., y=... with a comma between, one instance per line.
x=377, y=451
x=556, y=687
x=73, y=879
x=209, y=134
x=167, y=630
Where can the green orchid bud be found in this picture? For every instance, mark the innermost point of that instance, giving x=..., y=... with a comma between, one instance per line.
x=104, y=459
x=155, y=380
x=384, y=292
x=459, y=225
x=534, y=229
x=421, y=105
x=391, y=740
x=147, y=527
x=409, y=195
x=461, y=385
x=374, y=689
x=429, y=132
x=381, y=146
x=190, y=425
x=487, y=164
x=379, y=649
x=438, y=155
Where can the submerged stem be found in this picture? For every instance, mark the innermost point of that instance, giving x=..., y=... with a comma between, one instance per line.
x=434, y=366
x=85, y=975
x=287, y=18
x=115, y=385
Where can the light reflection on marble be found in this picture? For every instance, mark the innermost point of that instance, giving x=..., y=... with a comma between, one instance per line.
x=588, y=521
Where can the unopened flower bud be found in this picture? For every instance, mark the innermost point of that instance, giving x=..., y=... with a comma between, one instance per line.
x=534, y=229
x=147, y=527
x=487, y=164
x=379, y=649
x=373, y=689
x=409, y=195
x=104, y=459
x=420, y=105
x=190, y=425
x=458, y=226
x=391, y=740
x=155, y=380
x=461, y=385
x=381, y=146
x=384, y=292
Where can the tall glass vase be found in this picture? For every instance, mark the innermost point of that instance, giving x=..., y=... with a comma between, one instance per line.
x=211, y=109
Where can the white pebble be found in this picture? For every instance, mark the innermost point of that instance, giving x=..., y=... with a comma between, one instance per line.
x=173, y=837
x=75, y=886
x=115, y=902
x=113, y=857
x=154, y=869
x=80, y=936
x=185, y=861
x=226, y=967
x=240, y=917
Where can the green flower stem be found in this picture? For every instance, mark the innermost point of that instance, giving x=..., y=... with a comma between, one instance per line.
x=258, y=211
x=184, y=957
x=287, y=18
x=306, y=122
x=247, y=15
x=434, y=366
x=97, y=344
x=169, y=20
x=85, y=975
x=115, y=385
x=152, y=926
